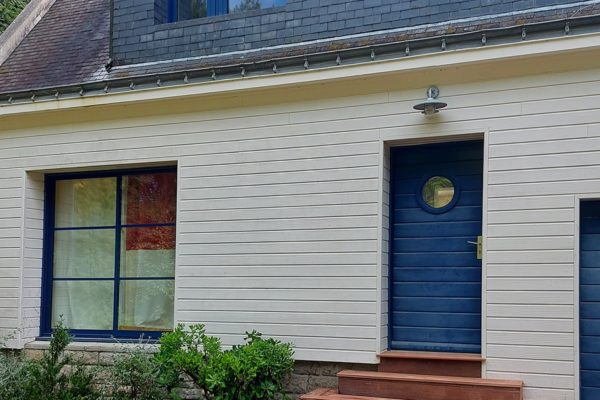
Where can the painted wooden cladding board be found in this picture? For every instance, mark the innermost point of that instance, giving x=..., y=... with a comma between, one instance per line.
x=436, y=276
x=589, y=298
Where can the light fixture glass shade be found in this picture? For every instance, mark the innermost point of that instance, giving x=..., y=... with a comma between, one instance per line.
x=432, y=105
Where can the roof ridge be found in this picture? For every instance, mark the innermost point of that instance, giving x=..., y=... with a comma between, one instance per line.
x=10, y=39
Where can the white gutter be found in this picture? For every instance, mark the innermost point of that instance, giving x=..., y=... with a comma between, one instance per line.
x=21, y=26
x=454, y=58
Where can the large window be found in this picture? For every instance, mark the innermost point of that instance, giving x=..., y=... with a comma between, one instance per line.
x=109, y=252
x=180, y=10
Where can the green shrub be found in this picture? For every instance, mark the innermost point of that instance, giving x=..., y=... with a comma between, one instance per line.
x=55, y=376
x=255, y=370
x=135, y=374
x=186, y=352
x=14, y=375
x=58, y=375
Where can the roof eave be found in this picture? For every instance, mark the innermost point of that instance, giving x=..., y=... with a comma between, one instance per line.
x=487, y=54
x=366, y=53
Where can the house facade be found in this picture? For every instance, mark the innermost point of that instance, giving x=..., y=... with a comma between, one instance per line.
x=261, y=165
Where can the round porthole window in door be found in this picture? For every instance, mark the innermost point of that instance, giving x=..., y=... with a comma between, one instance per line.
x=438, y=194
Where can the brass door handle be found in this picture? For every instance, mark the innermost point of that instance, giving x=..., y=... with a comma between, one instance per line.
x=479, y=244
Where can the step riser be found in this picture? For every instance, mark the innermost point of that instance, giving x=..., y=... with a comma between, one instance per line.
x=415, y=390
x=464, y=369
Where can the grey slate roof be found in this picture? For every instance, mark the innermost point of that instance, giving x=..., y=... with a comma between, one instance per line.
x=417, y=37
x=138, y=38
x=71, y=45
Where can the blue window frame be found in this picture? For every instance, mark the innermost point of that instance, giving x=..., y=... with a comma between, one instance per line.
x=109, y=253
x=180, y=10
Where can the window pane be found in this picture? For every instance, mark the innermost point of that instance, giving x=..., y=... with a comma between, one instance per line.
x=84, y=253
x=150, y=198
x=245, y=5
x=83, y=304
x=148, y=252
x=146, y=305
x=85, y=202
x=188, y=9
x=438, y=192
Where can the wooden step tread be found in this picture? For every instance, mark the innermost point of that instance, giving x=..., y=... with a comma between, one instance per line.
x=332, y=394
x=430, y=355
x=448, y=380
x=318, y=394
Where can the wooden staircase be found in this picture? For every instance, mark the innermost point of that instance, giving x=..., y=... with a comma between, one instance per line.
x=421, y=376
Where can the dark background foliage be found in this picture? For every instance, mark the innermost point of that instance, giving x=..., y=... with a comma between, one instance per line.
x=9, y=9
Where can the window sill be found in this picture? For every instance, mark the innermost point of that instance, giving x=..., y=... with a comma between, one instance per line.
x=108, y=347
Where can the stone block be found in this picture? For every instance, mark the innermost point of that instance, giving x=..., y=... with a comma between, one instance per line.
x=297, y=384
x=329, y=369
x=33, y=354
x=107, y=358
x=315, y=382
x=84, y=357
x=305, y=368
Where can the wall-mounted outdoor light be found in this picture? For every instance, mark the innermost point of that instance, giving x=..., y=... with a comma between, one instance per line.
x=432, y=105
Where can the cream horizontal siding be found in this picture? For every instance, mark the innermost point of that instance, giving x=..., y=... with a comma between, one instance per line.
x=535, y=174
x=282, y=203
x=10, y=254
x=289, y=228
x=277, y=222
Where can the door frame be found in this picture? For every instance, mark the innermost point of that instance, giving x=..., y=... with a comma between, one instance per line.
x=384, y=255
x=576, y=276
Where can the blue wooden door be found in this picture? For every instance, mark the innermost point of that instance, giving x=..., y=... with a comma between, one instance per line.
x=436, y=275
x=589, y=301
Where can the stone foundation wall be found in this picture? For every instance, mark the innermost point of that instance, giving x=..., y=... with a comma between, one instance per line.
x=311, y=375
x=307, y=375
